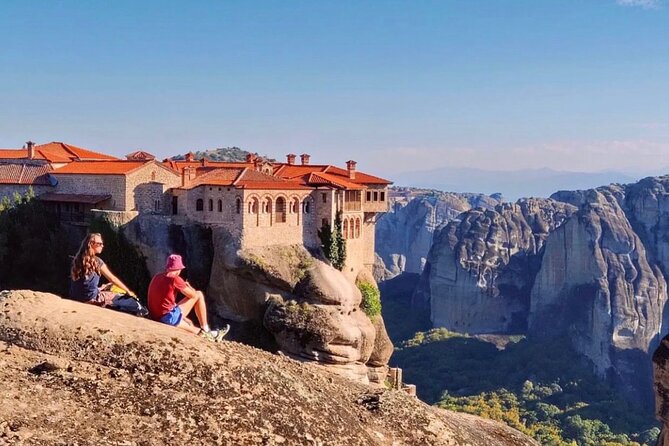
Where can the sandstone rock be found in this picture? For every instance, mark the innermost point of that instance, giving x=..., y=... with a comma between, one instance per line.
x=481, y=268
x=597, y=286
x=151, y=384
x=404, y=235
x=259, y=286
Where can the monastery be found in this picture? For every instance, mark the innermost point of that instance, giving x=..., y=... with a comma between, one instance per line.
x=261, y=203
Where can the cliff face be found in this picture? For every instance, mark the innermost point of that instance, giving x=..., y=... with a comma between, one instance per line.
x=282, y=297
x=481, y=268
x=587, y=265
x=598, y=285
x=404, y=235
x=72, y=373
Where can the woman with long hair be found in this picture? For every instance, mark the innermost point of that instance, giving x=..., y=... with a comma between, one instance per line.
x=85, y=274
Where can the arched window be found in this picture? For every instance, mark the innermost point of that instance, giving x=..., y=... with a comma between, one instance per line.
x=267, y=206
x=211, y=205
x=306, y=206
x=199, y=205
x=239, y=205
x=357, y=228
x=253, y=206
x=153, y=176
x=280, y=210
x=345, y=228
x=220, y=206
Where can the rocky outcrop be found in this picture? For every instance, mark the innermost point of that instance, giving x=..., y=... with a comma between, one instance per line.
x=282, y=297
x=404, y=235
x=589, y=266
x=598, y=286
x=481, y=268
x=73, y=373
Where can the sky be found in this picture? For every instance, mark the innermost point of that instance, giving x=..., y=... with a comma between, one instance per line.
x=395, y=85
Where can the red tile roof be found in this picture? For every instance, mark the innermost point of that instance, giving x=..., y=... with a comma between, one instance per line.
x=140, y=155
x=100, y=167
x=215, y=177
x=23, y=173
x=326, y=179
x=291, y=171
x=56, y=152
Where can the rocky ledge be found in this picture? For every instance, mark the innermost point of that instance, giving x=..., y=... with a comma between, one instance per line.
x=76, y=374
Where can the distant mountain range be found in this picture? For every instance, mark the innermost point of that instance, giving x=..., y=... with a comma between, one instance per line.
x=513, y=184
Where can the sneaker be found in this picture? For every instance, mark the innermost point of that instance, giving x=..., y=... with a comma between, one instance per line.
x=207, y=335
x=220, y=333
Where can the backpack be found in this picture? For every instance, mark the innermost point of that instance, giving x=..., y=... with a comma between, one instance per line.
x=128, y=304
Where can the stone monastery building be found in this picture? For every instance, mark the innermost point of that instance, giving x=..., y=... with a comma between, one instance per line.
x=259, y=202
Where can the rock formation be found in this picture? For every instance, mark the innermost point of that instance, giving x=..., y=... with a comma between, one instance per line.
x=481, y=267
x=661, y=385
x=72, y=373
x=586, y=265
x=597, y=286
x=282, y=297
x=404, y=235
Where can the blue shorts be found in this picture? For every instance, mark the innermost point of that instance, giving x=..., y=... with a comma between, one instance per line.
x=173, y=317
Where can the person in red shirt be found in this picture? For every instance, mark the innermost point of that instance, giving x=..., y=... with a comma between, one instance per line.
x=163, y=306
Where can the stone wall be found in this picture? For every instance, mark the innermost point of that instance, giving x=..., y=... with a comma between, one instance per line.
x=146, y=189
x=8, y=190
x=114, y=185
x=263, y=225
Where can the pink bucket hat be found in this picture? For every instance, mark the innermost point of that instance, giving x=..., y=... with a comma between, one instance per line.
x=174, y=262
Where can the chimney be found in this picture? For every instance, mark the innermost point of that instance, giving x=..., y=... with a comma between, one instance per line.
x=204, y=162
x=250, y=157
x=187, y=175
x=31, y=149
x=190, y=156
x=350, y=165
x=290, y=158
x=304, y=158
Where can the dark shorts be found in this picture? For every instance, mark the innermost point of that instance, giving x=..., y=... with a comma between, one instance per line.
x=173, y=317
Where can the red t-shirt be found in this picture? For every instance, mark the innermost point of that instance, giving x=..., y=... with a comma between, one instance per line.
x=163, y=294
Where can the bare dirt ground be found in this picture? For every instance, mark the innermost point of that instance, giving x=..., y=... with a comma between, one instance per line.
x=73, y=374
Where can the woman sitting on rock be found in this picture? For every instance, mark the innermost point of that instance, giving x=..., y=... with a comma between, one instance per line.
x=85, y=274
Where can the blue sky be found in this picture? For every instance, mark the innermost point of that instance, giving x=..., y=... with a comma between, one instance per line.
x=397, y=86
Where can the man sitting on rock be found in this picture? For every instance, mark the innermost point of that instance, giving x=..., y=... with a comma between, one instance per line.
x=163, y=307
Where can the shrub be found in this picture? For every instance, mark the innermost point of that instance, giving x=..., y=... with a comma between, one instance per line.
x=371, y=299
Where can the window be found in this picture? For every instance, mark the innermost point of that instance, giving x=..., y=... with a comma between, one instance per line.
x=267, y=206
x=357, y=228
x=253, y=206
x=153, y=176
x=220, y=206
x=239, y=205
x=199, y=205
x=325, y=197
x=376, y=196
x=305, y=206
x=369, y=196
x=156, y=205
x=346, y=228
x=383, y=196
x=211, y=205
x=280, y=210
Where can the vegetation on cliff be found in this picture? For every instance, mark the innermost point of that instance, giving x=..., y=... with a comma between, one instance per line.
x=333, y=243
x=543, y=389
x=371, y=299
x=33, y=247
